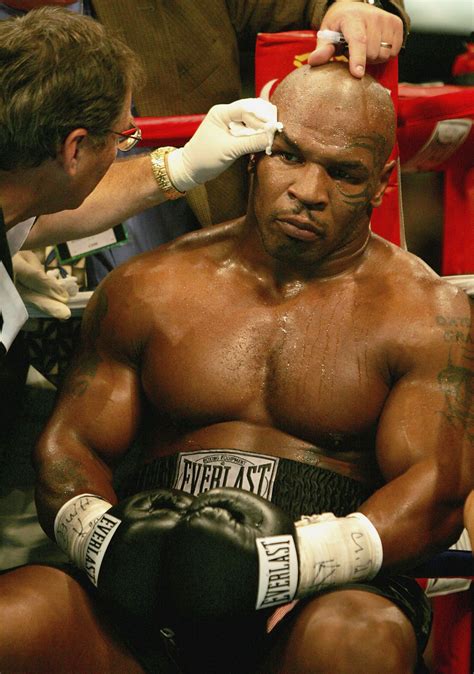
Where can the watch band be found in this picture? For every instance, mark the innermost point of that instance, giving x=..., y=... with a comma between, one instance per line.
x=160, y=172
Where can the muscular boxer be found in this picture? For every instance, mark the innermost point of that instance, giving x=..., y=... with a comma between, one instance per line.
x=291, y=354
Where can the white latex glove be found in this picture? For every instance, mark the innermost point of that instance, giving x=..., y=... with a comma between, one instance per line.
x=225, y=134
x=47, y=291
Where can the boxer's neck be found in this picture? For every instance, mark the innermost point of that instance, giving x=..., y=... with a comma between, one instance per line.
x=344, y=259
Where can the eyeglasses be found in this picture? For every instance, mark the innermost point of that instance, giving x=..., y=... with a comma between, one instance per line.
x=128, y=138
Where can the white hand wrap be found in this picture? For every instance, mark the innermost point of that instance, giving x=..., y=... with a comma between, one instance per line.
x=226, y=133
x=329, y=551
x=336, y=550
x=83, y=531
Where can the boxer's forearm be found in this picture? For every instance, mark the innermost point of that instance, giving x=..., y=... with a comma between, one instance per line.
x=64, y=469
x=416, y=515
x=128, y=188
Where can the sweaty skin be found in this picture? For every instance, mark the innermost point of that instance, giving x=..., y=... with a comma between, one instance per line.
x=293, y=331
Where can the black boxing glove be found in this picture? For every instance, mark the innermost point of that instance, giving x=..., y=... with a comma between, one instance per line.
x=211, y=561
x=120, y=547
x=233, y=552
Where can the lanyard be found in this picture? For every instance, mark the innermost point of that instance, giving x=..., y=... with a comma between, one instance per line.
x=5, y=256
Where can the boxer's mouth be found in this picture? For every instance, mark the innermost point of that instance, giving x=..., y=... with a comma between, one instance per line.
x=300, y=228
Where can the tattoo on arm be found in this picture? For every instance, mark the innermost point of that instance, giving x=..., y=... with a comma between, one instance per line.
x=66, y=472
x=85, y=366
x=457, y=383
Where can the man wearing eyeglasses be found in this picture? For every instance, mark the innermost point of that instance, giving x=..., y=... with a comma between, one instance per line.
x=65, y=97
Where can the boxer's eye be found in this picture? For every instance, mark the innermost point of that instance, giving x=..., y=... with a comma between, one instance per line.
x=288, y=157
x=338, y=173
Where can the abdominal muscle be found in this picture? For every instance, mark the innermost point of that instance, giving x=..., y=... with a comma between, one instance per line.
x=248, y=437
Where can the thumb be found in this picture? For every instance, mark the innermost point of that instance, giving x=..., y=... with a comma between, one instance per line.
x=323, y=52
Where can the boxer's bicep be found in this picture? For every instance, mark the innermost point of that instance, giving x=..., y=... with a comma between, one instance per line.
x=424, y=441
x=429, y=414
x=420, y=454
x=95, y=418
x=99, y=403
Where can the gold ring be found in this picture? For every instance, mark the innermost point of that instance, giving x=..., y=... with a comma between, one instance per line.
x=386, y=45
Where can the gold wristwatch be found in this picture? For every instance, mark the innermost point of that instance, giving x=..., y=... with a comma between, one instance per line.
x=160, y=171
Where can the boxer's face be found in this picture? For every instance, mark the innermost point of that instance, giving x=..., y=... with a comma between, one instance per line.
x=312, y=196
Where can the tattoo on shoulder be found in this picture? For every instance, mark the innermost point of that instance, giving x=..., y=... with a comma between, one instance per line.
x=457, y=383
x=456, y=329
x=84, y=367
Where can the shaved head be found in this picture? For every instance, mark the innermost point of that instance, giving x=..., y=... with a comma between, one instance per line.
x=313, y=197
x=329, y=98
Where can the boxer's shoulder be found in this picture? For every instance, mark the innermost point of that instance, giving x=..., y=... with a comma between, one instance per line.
x=408, y=280
x=179, y=257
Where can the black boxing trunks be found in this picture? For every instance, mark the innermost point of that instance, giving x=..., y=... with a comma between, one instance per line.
x=299, y=489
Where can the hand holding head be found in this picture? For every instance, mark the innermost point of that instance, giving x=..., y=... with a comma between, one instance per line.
x=372, y=35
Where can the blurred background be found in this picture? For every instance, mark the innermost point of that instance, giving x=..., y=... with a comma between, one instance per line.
x=439, y=33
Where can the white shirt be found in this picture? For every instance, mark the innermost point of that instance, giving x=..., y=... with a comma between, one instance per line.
x=13, y=310
x=16, y=236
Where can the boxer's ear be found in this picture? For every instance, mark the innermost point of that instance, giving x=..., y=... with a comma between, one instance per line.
x=383, y=182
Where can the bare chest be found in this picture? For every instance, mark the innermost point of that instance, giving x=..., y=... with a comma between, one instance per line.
x=310, y=369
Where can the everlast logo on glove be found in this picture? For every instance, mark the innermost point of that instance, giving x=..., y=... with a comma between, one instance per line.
x=98, y=544
x=278, y=570
x=198, y=472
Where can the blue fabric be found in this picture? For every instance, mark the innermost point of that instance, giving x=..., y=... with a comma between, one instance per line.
x=145, y=231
